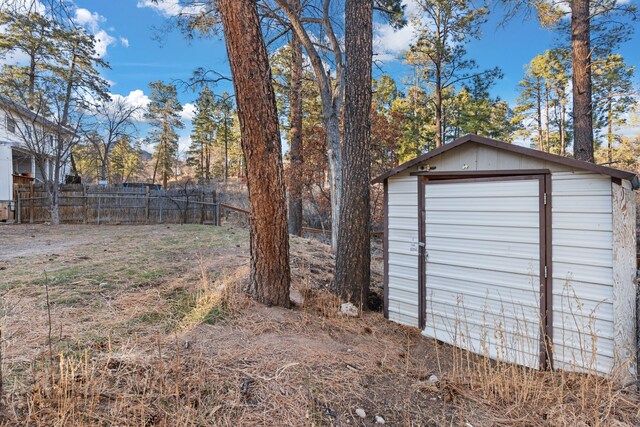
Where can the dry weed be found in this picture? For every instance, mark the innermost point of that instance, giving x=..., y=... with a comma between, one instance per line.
x=158, y=356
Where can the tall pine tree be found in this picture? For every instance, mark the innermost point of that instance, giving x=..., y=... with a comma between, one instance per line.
x=439, y=54
x=202, y=136
x=613, y=96
x=164, y=115
x=57, y=82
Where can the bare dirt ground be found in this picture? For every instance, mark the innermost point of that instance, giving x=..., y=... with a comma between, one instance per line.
x=150, y=325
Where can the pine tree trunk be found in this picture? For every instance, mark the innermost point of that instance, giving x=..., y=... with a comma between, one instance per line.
x=103, y=168
x=438, y=108
x=353, y=255
x=610, y=131
x=581, y=58
x=165, y=165
x=32, y=80
x=547, y=136
x=295, y=133
x=249, y=63
x=226, y=146
x=201, y=173
x=539, y=114
x=563, y=142
x=155, y=171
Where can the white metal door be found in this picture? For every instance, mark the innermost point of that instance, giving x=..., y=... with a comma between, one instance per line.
x=482, y=266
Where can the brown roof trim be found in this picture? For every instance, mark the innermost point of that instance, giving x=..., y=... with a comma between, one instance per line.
x=567, y=161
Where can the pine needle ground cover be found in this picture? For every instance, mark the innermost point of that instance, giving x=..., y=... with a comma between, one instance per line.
x=151, y=326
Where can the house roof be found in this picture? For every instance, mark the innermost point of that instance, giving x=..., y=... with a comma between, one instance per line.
x=567, y=161
x=9, y=103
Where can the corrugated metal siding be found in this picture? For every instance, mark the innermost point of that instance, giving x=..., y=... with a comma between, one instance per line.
x=402, y=251
x=582, y=271
x=482, y=272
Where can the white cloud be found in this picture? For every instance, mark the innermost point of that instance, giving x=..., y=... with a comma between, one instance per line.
x=188, y=111
x=184, y=141
x=411, y=7
x=103, y=41
x=93, y=21
x=88, y=19
x=135, y=98
x=165, y=7
x=169, y=7
x=389, y=43
x=14, y=58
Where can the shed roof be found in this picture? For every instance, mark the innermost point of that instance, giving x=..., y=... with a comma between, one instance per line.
x=567, y=161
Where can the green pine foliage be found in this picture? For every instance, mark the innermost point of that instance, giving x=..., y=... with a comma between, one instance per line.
x=125, y=160
x=164, y=116
x=614, y=96
x=542, y=110
x=203, y=136
x=215, y=140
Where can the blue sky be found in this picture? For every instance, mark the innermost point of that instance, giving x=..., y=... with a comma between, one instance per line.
x=125, y=29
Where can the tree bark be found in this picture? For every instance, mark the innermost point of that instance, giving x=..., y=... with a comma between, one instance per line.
x=249, y=63
x=547, y=124
x=336, y=167
x=539, y=112
x=53, y=192
x=226, y=145
x=581, y=58
x=563, y=143
x=165, y=161
x=103, y=168
x=353, y=255
x=331, y=99
x=438, y=107
x=295, y=133
x=610, y=132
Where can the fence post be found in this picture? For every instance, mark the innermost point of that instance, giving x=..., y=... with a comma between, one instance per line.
x=85, y=197
x=161, y=206
x=146, y=209
x=218, y=213
x=202, y=207
x=19, y=209
x=98, y=218
x=31, y=204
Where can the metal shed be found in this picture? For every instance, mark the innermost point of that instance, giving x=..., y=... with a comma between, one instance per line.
x=516, y=254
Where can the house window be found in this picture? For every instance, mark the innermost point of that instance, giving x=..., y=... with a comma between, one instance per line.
x=11, y=125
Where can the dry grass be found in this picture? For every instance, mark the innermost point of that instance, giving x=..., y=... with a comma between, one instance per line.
x=515, y=395
x=185, y=346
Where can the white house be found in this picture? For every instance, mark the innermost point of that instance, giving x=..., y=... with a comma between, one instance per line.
x=17, y=160
x=515, y=254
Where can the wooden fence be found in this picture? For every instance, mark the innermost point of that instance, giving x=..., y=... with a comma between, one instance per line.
x=83, y=204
